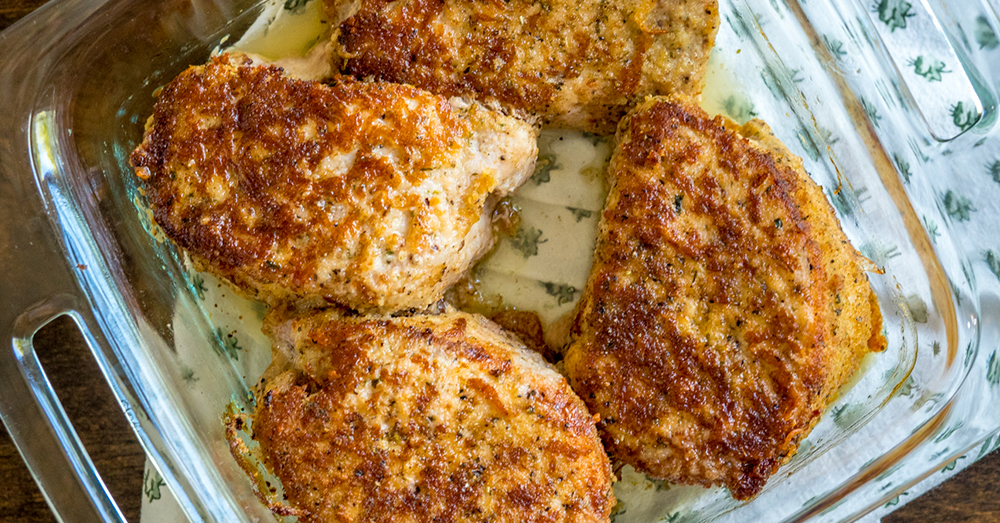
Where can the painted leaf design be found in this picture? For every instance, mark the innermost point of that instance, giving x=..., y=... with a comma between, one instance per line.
x=918, y=308
x=842, y=201
x=903, y=166
x=993, y=262
x=871, y=111
x=230, y=343
x=526, y=241
x=198, y=282
x=893, y=13
x=994, y=171
x=880, y=253
x=985, y=449
x=894, y=501
x=580, y=214
x=151, y=483
x=985, y=36
x=187, y=374
x=739, y=109
x=835, y=46
x=955, y=291
x=932, y=229
x=659, y=484
x=808, y=145
x=993, y=369
x=929, y=68
x=295, y=5
x=906, y=389
x=563, y=293
x=951, y=466
x=957, y=206
x=963, y=118
x=846, y=415
x=543, y=167
x=948, y=432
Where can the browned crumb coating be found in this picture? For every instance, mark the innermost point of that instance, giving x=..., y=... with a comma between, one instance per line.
x=425, y=418
x=725, y=308
x=569, y=63
x=372, y=196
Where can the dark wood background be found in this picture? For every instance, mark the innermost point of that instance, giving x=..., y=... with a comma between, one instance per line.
x=972, y=496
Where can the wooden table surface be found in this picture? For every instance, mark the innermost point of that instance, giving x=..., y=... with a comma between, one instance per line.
x=972, y=496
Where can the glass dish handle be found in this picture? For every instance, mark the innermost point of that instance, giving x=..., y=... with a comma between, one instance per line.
x=37, y=285
x=40, y=428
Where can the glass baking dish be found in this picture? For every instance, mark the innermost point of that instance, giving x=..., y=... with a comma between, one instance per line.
x=891, y=105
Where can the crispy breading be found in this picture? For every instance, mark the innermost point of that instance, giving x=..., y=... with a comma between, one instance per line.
x=425, y=418
x=570, y=64
x=725, y=307
x=373, y=196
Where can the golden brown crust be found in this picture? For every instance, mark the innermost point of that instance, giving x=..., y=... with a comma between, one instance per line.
x=572, y=64
x=426, y=418
x=368, y=195
x=725, y=307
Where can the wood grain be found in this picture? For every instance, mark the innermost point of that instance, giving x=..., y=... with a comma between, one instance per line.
x=970, y=497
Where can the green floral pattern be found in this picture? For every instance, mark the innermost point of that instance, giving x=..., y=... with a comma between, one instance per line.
x=993, y=263
x=993, y=170
x=951, y=465
x=580, y=214
x=948, y=432
x=903, y=166
x=198, y=282
x=985, y=36
x=991, y=444
x=295, y=6
x=893, y=13
x=187, y=374
x=932, y=229
x=930, y=69
x=871, y=111
x=963, y=117
x=543, y=168
x=526, y=241
x=739, y=109
x=230, y=344
x=563, y=293
x=151, y=485
x=993, y=369
x=835, y=46
x=957, y=206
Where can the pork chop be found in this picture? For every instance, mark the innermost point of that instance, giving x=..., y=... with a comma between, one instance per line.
x=725, y=307
x=369, y=195
x=424, y=418
x=568, y=63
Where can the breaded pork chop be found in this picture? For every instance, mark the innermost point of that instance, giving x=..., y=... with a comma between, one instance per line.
x=725, y=307
x=574, y=64
x=373, y=196
x=425, y=418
